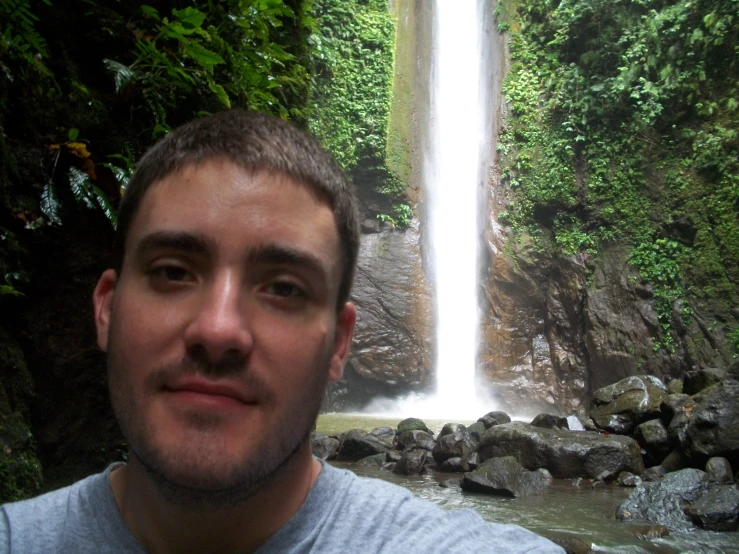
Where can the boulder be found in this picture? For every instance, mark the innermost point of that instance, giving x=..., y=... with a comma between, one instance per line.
x=566, y=454
x=386, y=435
x=476, y=430
x=450, y=428
x=456, y=444
x=652, y=435
x=717, y=510
x=664, y=502
x=713, y=429
x=571, y=544
x=506, y=477
x=473, y=460
x=620, y=407
x=376, y=460
x=550, y=421
x=416, y=439
x=412, y=424
x=454, y=465
x=677, y=429
x=671, y=405
x=626, y=479
x=674, y=461
x=700, y=379
x=492, y=419
x=357, y=444
x=324, y=447
x=675, y=386
x=653, y=474
x=412, y=462
x=719, y=471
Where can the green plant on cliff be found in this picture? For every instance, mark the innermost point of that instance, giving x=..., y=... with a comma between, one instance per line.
x=624, y=125
x=353, y=53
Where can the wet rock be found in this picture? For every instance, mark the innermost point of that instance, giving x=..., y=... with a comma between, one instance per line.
x=674, y=461
x=713, y=429
x=671, y=405
x=416, y=439
x=620, y=407
x=376, y=460
x=717, y=510
x=652, y=435
x=571, y=544
x=506, y=477
x=588, y=423
x=392, y=456
x=627, y=479
x=324, y=447
x=492, y=419
x=549, y=421
x=454, y=465
x=664, y=502
x=474, y=460
x=412, y=462
x=412, y=424
x=456, y=444
x=476, y=430
x=357, y=444
x=700, y=379
x=653, y=474
x=675, y=386
x=450, y=428
x=386, y=435
x=573, y=423
x=719, y=471
x=565, y=454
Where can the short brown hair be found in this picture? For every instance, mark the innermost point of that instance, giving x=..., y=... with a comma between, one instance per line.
x=255, y=142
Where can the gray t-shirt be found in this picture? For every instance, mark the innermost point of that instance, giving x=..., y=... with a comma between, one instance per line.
x=342, y=513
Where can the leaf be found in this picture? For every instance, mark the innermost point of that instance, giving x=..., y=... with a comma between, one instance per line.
x=121, y=175
x=73, y=133
x=123, y=74
x=190, y=17
x=81, y=186
x=105, y=206
x=7, y=290
x=50, y=204
x=220, y=93
x=206, y=58
x=150, y=11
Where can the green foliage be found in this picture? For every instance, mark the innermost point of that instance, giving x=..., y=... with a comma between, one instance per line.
x=624, y=126
x=353, y=53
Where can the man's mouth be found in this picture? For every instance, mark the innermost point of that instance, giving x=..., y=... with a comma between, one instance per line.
x=199, y=390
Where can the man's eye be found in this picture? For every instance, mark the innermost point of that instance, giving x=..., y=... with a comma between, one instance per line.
x=170, y=273
x=285, y=290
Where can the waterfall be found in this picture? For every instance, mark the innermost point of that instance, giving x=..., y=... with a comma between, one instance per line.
x=454, y=178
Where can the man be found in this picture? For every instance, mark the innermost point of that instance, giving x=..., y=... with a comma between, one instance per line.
x=226, y=314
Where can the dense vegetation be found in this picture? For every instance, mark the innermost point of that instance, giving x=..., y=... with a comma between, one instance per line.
x=624, y=126
x=85, y=88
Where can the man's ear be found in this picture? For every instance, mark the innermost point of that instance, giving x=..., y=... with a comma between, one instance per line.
x=342, y=341
x=102, y=300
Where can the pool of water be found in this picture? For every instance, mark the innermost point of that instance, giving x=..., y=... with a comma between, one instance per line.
x=564, y=509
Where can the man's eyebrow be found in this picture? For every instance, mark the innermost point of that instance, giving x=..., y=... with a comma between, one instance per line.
x=173, y=240
x=284, y=255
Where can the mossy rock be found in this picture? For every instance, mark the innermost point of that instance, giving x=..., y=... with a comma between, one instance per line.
x=21, y=475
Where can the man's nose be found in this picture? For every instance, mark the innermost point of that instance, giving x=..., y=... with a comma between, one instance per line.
x=219, y=327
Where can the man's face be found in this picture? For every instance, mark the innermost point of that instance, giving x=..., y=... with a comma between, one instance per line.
x=222, y=329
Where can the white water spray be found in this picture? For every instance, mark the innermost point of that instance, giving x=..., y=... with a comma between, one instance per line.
x=453, y=174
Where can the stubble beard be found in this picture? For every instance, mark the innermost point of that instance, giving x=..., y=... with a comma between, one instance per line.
x=194, y=475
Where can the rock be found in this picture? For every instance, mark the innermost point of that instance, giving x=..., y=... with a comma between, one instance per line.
x=416, y=439
x=571, y=544
x=392, y=456
x=450, y=428
x=476, y=430
x=474, y=460
x=713, y=429
x=626, y=479
x=653, y=474
x=620, y=407
x=386, y=435
x=451, y=483
x=456, y=444
x=412, y=424
x=565, y=454
x=573, y=423
x=506, y=477
x=412, y=462
x=719, y=471
x=717, y=510
x=671, y=405
x=324, y=447
x=673, y=462
x=376, y=460
x=677, y=430
x=652, y=435
x=700, y=379
x=454, y=465
x=588, y=423
x=675, y=386
x=549, y=421
x=357, y=444
x=664, y=502
x=492, y=419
